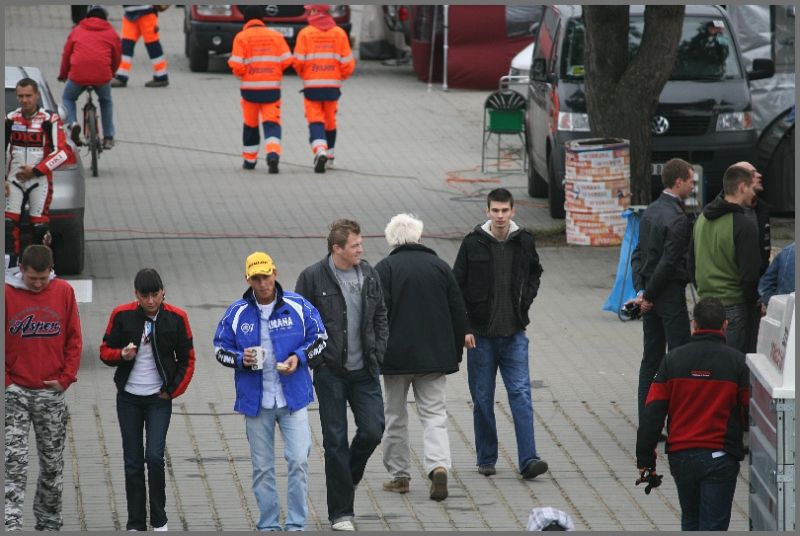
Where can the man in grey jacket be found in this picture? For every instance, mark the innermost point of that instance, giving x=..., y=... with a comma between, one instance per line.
x=346, y=291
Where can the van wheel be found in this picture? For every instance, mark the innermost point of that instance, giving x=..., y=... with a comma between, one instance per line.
x=198, y=57
x=537, y=186
x=555, y=191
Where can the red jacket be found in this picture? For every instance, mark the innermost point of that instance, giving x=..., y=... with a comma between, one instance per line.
x=92, y=53
x=43, y=334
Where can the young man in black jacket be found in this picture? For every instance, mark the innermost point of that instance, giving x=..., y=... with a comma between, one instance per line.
x=703, y=389
x=427, y=323
x=346, y=291
x=498, y=272
x=659, y=271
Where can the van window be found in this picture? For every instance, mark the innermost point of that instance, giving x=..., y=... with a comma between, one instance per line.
x=705, y=51
x=545, y=39
x=520, y=19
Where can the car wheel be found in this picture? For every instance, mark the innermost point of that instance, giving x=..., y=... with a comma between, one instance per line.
x=198, y=57
x=555, y=191
x=68, y=250
x=537, y=185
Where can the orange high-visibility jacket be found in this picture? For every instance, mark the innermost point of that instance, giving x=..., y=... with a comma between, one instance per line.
x=323, y=59
x=259, y=57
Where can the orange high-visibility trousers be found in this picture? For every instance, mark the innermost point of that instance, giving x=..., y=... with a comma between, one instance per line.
x=145, y=26
x=270, y=117
x=320, y=113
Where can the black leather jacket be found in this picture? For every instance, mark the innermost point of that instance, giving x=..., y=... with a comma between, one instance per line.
x=475, y=276
x=660, y=255
x=318, y=285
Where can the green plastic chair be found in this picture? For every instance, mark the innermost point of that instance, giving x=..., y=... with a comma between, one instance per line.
x=504, y=115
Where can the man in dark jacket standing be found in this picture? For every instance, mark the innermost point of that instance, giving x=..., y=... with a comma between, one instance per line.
x=659, y=271
x=724, y=257
x=427, y=323
x=91, y=55
x=498, y=271
x=703, y=388
x=346, y=291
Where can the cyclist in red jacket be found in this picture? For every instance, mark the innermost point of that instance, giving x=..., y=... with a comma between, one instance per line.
x=91, y=55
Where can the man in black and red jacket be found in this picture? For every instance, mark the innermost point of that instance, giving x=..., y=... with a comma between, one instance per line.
x=703, y=387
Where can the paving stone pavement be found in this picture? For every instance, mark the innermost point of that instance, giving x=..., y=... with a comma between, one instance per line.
x=172, y=195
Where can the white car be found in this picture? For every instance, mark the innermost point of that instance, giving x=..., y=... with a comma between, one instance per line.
x=520, y=68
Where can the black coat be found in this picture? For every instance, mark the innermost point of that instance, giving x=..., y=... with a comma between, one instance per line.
x=474, y=272
x=318, y=285
x=427, y=318
x=660, y=255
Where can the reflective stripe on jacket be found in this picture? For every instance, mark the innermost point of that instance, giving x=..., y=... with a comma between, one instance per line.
x=258, y=59
x=323, y=59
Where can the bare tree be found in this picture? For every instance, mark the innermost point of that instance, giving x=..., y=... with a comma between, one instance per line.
x=622, y=92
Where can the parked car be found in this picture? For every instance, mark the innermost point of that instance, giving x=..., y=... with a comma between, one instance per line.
x=210, y=28
x=704, y=113
x=69, y=183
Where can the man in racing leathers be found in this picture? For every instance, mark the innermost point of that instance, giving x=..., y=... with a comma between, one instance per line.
x=35, y=147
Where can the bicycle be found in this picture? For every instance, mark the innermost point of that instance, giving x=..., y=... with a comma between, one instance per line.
x=90, y=130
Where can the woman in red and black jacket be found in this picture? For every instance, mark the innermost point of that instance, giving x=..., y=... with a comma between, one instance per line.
x=150, y=343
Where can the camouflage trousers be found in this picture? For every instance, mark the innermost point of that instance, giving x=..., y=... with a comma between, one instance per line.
x=47, y=410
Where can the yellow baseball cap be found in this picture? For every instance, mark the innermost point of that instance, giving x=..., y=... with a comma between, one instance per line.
x=258, y=263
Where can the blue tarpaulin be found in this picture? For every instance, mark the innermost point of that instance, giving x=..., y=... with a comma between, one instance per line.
x=623, y=285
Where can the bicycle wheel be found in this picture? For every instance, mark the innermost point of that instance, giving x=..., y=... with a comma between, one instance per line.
x=94, y=141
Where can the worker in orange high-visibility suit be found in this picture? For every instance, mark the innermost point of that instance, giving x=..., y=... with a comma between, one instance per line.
x=142, y=21
x=258, y=59
x=322, y=59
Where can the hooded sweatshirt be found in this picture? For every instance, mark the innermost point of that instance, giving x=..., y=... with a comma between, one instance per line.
x=43, y=334
x=725, y=257
x=91, y=54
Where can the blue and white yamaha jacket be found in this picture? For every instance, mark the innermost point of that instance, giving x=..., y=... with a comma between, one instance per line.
x=295, y=327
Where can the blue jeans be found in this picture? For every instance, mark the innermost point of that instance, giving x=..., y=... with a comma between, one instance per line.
x=71, y=93
x=706, y=487
x=297, y=446
x=345, y=464
x=136, y=415
x=510, y=354
x=738, y=323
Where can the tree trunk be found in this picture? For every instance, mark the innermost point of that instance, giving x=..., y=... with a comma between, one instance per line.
x=621, y=92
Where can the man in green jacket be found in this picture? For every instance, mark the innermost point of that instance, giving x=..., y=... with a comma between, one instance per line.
x=724, y=258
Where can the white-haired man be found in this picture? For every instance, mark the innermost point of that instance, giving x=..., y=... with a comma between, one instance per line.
x=427, y=325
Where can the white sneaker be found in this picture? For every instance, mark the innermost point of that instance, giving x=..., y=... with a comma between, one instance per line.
x=319, y=161
x=345, y=524
x=164, y=528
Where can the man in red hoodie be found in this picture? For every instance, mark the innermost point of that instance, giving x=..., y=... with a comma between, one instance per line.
x=91, y=56
x=43, y=353
x=323, y=59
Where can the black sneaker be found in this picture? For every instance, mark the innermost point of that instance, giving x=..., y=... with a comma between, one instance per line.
x=319, y=162
x=534, y=468
x=272, y=165
x=75, y=134
x=248, y=165
x=487, y=470
x=156, y=83
x=116, y=82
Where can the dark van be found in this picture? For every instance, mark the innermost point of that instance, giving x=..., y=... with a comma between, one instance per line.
x=703, y=116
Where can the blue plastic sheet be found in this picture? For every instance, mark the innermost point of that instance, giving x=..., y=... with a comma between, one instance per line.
x=623, y=285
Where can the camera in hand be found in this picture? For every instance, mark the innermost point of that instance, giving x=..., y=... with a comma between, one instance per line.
x=631, y=311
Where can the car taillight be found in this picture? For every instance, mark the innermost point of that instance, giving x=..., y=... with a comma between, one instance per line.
x=214, y=10
x=402, y=13
x=554, y=108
